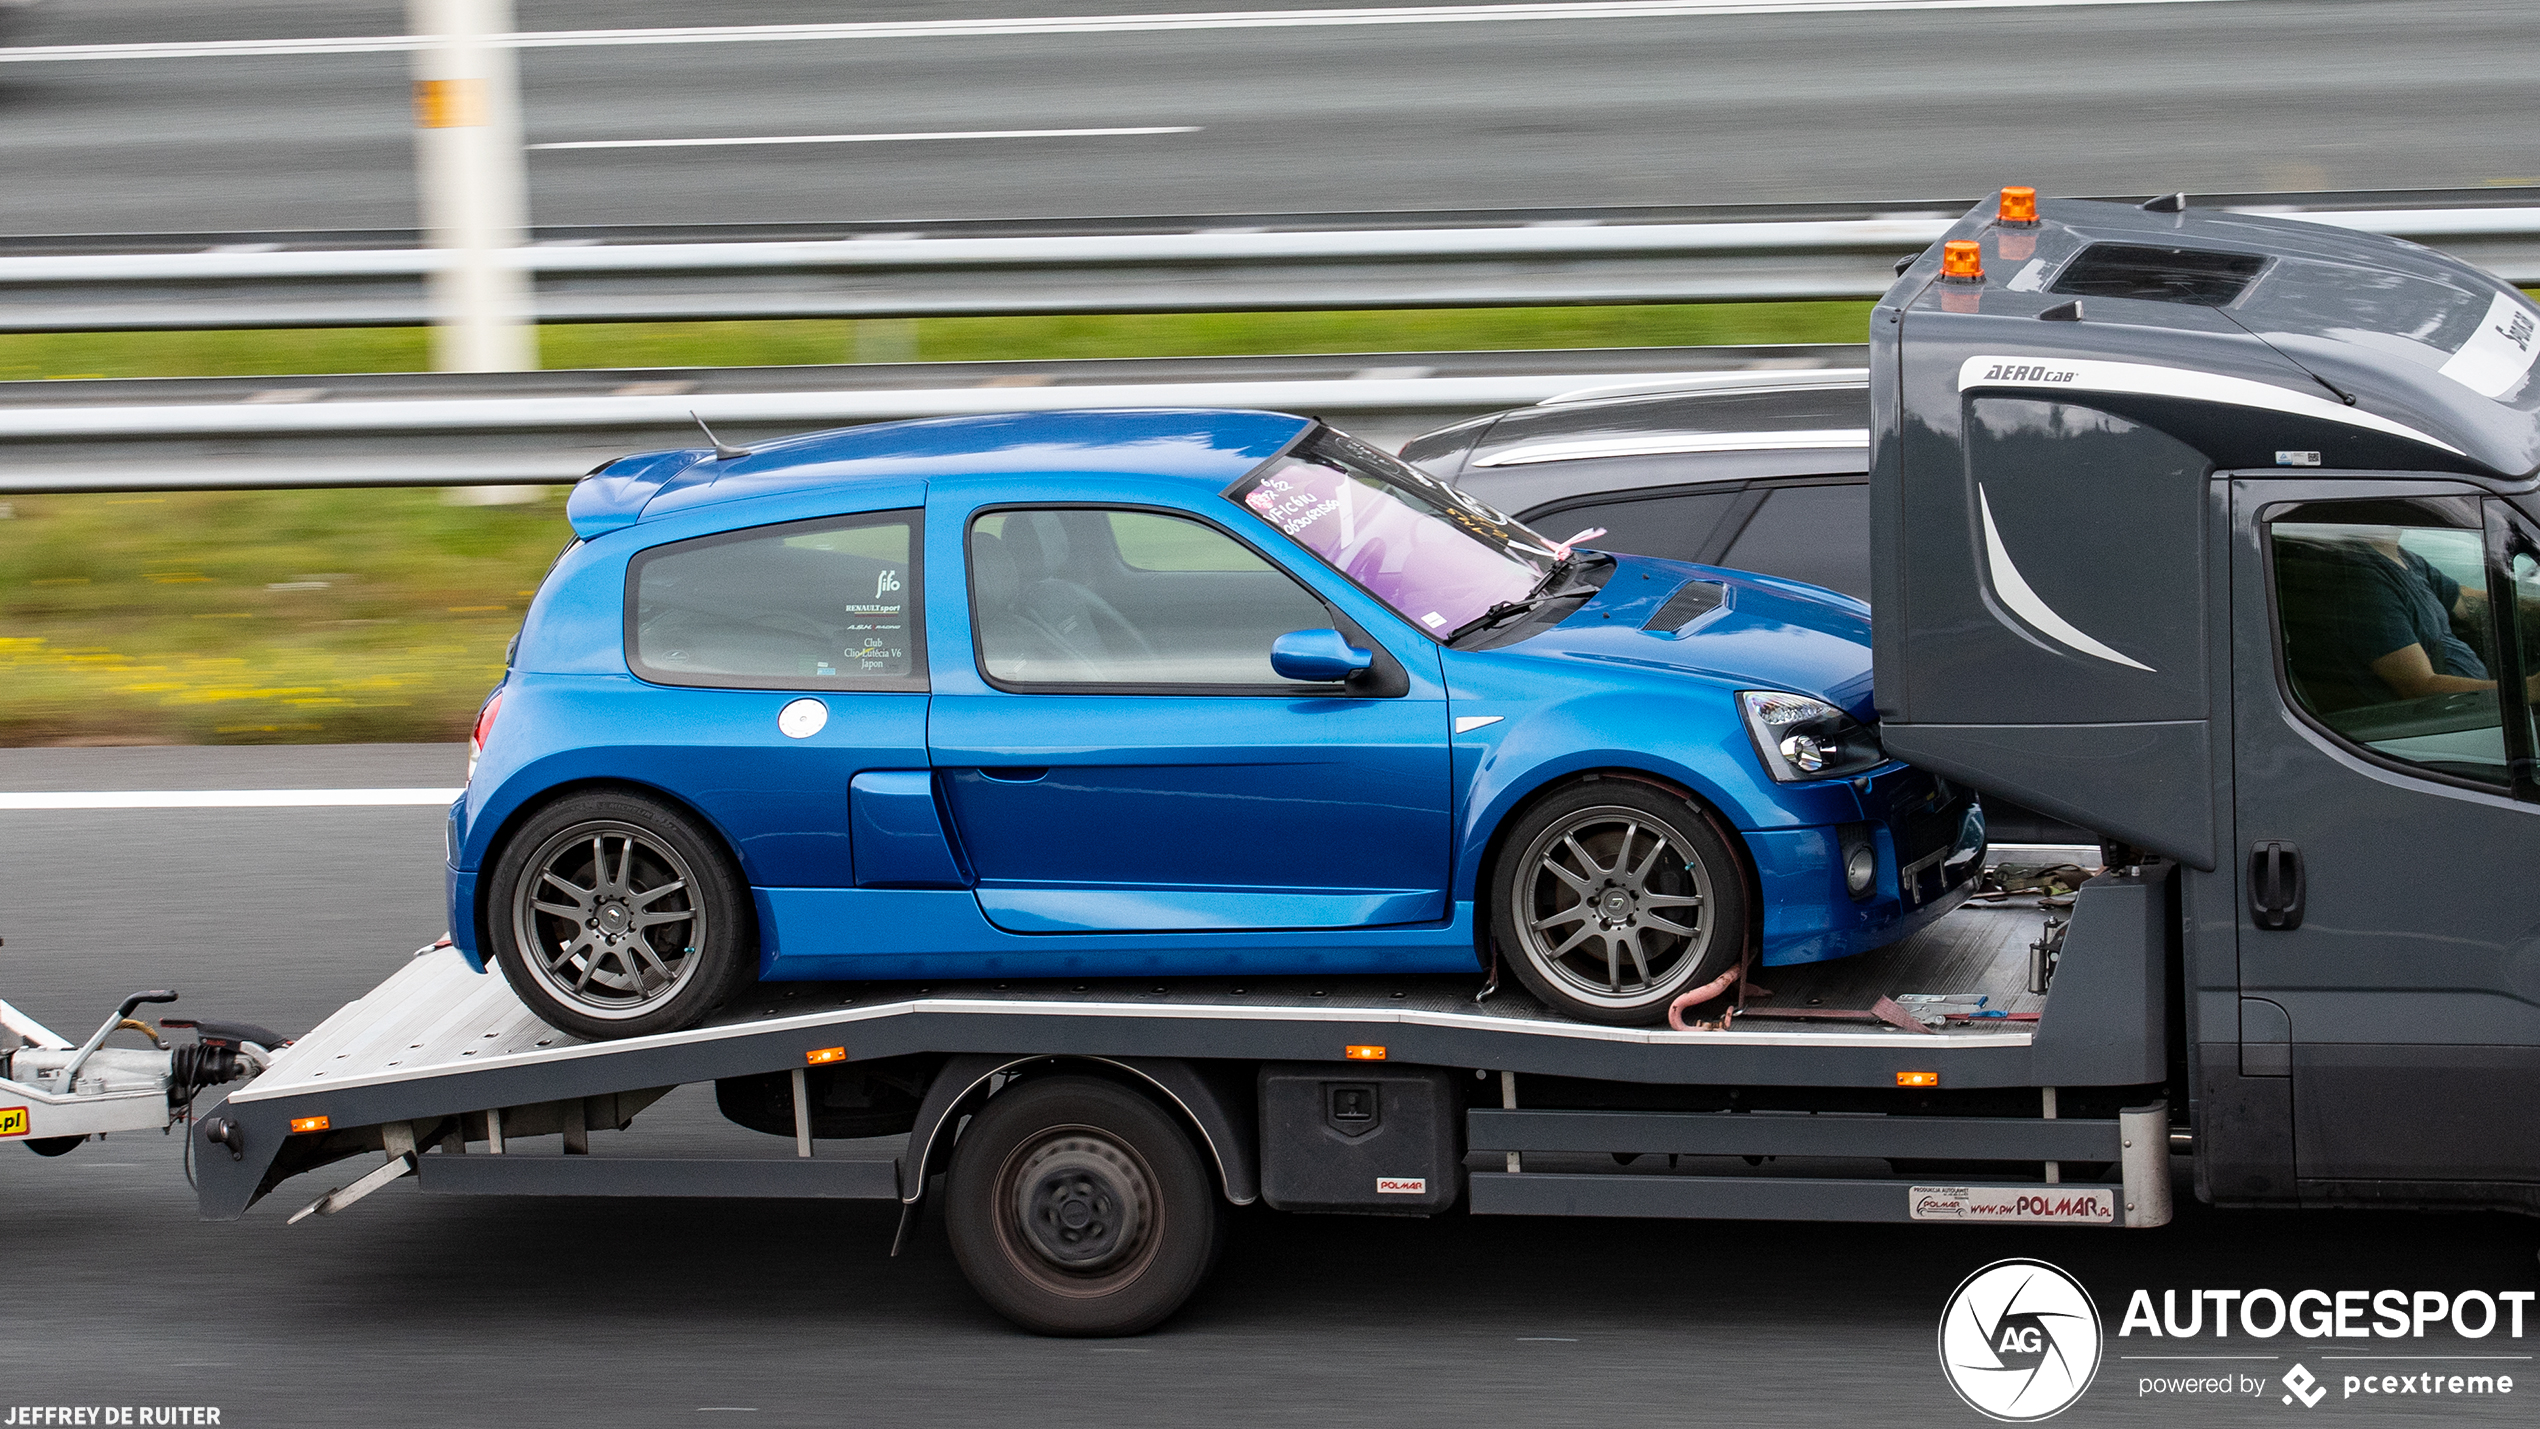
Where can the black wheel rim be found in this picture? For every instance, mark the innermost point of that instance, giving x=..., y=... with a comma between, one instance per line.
x=1613, y=908
x=609, y=920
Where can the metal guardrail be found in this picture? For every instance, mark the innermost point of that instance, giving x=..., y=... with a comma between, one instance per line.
x=457, y=429
x=1371, y=263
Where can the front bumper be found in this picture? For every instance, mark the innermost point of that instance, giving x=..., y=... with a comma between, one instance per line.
x=1930, y=841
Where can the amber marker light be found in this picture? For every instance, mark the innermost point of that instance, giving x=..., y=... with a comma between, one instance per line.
x=1363, y=1054
x=2019, y=204
x=1918, y=1079
x=301, y=1124
x=820, y=1055
x=1962, y=258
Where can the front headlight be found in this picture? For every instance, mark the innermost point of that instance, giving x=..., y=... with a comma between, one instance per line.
x=1802, y=738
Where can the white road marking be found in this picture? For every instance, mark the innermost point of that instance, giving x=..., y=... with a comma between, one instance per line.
x=870, y=138
x=230, y=799
x=1573, y=10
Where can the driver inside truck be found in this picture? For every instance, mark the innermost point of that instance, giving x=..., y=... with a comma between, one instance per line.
x=2401, y=622
x=2369, y=620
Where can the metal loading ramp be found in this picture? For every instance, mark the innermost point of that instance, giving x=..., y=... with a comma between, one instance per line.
x=441, y=1064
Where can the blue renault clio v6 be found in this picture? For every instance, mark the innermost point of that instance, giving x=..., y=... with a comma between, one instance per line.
x=1149, y=693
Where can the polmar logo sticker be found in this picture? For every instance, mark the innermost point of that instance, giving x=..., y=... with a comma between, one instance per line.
x=2020, y=1341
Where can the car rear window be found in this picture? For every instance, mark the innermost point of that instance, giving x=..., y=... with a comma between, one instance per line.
x=809, y=605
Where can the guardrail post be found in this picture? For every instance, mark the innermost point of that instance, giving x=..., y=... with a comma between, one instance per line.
x=473, y=193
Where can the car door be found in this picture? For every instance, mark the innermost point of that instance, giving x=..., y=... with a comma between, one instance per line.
x=1119, y=756
x=2389, y=924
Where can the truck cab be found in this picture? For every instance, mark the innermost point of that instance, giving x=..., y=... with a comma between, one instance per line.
x=2218, y=533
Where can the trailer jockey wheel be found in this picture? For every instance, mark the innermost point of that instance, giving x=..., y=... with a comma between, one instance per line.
x=1616, y=895
x=1078, y=1207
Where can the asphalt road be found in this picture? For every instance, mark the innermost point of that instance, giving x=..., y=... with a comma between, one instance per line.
x=2242, y=95
x=433, y=1311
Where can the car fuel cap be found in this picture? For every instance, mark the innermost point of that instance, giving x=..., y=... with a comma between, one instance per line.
x=801, y=719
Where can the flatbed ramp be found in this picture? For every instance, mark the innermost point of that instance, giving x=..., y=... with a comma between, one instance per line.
x=440, y=1063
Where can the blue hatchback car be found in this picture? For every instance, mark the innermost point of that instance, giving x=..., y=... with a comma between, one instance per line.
x=1161, y=693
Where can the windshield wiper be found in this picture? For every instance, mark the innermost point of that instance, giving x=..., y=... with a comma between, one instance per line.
x=1499, y=611
x=1552, y=578
x=1546, y=587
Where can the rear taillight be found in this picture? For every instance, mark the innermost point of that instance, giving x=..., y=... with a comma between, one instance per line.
x=484, y=727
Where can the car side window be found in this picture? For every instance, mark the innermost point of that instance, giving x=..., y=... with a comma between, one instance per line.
x=809, y=605
x=1676, y=527
x=2387, y=635
x=1817, y=534
x=1127, y=598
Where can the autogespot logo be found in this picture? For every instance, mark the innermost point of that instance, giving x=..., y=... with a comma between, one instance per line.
x=2019, y=1340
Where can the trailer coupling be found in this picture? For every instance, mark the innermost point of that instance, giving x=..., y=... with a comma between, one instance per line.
x=53, y=1096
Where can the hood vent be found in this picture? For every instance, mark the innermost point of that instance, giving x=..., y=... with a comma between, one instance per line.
x=1691, y=601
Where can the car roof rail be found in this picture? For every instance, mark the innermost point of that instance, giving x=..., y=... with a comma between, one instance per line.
x=1777, y=379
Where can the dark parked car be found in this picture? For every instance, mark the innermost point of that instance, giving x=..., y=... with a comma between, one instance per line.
x=1756, y=471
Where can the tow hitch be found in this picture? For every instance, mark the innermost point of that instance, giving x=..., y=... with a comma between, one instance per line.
x=53, y=1095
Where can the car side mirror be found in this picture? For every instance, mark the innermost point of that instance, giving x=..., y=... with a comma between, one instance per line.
x=1317, y=656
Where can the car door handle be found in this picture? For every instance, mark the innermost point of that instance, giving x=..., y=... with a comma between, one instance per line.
x=2276, y=885
x=1015, y=774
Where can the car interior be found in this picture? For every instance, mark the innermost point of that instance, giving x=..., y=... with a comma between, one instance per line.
x=1090, y=596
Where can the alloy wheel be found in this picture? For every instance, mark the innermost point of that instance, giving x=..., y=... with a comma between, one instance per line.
x=1613, y=906
x=610, y=918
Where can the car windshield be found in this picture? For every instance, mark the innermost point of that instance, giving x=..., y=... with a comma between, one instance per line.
x=1437, y=556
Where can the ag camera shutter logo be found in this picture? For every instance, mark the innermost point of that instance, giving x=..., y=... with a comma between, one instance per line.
x=2020, y=1341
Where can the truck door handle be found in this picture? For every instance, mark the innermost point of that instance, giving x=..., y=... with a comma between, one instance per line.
x=2275, y=885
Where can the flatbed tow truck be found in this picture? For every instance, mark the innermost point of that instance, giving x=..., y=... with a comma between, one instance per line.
x=2111, y=446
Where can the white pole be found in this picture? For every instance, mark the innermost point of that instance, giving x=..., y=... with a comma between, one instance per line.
x=474, y=194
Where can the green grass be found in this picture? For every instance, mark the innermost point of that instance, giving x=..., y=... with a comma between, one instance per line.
x=337, y=616
x=756, y=344
x=259, y=617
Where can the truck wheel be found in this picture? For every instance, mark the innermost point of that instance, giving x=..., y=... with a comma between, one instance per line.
x=1613, y=896
x=614, y=915
x=1078, y=1207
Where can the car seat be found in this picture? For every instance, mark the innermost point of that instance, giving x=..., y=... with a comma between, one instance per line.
x=1077, y=622
x=1011, y=645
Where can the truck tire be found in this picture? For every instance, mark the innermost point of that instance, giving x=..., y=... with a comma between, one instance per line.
x=1612, y=896
x=614, y=914
x=1077, y=1207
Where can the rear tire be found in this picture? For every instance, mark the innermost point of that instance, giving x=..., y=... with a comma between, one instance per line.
x=615, y=914
x=1077, y=1207
x=1612, y=896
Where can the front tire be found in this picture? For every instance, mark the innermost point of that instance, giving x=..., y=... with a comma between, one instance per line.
x=1078, y=1207
x=614, y=914
x=1613, y=896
